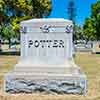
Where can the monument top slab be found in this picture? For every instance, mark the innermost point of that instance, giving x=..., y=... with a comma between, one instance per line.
x=47, y=20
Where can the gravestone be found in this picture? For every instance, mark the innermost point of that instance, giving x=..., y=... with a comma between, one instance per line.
x=83, y=46
x=13, y=45
x=46, y=63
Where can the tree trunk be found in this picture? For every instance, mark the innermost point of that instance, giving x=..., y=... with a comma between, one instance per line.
x=9, y=43
x=0, y=46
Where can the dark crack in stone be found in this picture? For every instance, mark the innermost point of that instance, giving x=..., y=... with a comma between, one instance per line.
x=31, y=84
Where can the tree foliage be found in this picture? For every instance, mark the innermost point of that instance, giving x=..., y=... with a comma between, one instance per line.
x=41, y=8
x=91, y=27
x=2, y=14
x=12, y=12
x=78, y=33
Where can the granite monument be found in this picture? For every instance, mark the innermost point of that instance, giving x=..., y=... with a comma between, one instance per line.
x=46, y=63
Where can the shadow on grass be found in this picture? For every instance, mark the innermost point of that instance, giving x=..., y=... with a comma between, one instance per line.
x=18, y=53
x=97, y=52
x=10, y=53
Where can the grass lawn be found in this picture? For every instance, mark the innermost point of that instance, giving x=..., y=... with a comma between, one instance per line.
x=89, y=63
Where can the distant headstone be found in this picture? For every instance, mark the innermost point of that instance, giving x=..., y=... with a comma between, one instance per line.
x=84, y=47
x=46, y=63
x=96, y=47
x=13, y=45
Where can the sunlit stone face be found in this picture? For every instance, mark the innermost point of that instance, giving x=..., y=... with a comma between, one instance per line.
x=46, y=42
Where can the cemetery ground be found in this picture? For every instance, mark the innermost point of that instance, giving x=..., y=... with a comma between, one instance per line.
x=89, y=63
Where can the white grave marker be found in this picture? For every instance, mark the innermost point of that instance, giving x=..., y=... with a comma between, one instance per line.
x=46, y=63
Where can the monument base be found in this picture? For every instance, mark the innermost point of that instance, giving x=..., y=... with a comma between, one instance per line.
x=54, y=79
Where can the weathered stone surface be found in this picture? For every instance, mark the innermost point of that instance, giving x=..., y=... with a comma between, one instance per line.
x=48, y=86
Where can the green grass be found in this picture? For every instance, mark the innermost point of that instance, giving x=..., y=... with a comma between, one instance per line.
x=6, y=64
x=89, y=63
